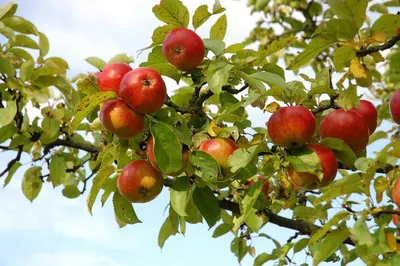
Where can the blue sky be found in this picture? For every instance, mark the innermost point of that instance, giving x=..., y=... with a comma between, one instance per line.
x=57, y=231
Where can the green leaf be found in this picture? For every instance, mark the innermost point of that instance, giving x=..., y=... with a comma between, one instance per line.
x=165, y=69
x=342, y=57
x=205, y=166
x=341, y=150
x=215, y=46
x=71, y=191
x=218, y=30
x=25, y=41
x=8, y=113
x=96, y=62
x=329, y=245
x=160, y=33
x=364, y=164
x=219, y=79
x=180, y=195
x=87, y=85
x=169, y=228
x=98, y=183
x=172, y=12
x=246, y=205
x=360, y=233
x=339, y=191
x=6, y=67
x=388, y=24
x=20, y=24
x=306, y=160
x=26, y=70
x=4, y=9
x=317, y=45
x=121, y=58
x=167, y=148
x=57, y=169
x=269, y=78
x=377, y=136
x=300, y=245
x=7, y=32
x=278, y=45
x=43, y=44
x=124, y=210
x=254, y=221
x=221, y=230
x=109, y=187
x=87, y=105
x=309, y=214
x=239, y=248
x=240, y=158
x=207, y=204
x=201, y=15
x=31, y=182
x=327, y=226
x=234, y=48
x=380, y=8
x=217, y=8
x=354, y=11
x=50, y=127
x=11, y=173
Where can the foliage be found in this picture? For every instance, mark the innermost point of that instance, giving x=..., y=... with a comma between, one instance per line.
x=69, y=148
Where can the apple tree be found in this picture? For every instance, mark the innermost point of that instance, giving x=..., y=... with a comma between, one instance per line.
x=117, y=137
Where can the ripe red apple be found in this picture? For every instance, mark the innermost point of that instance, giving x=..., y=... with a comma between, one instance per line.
x=368, y=111
x=220, y=149
x=143, y=90
x=396, y=193
x=139, y=182
x=395, y=106
x=290, y=126
x=152, y=157
x=311, y=181
x=119, y=119
x=264, y=188
x=184, y=49
x=110, y=78
x=348, y=126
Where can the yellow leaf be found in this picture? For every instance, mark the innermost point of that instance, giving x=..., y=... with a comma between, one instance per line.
x=210, y=129
x=380, y=37
x=377, y=57
x=272, y=107
x=391, y=241
x=357, y=69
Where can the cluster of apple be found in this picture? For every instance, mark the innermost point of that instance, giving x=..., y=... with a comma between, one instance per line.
x=139, y=92
x=294, y=126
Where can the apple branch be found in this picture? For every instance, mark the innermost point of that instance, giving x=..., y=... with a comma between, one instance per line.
x=322, y=108
x=389, y=44
x=12, y=162
x=70, y=143
x=97, y=168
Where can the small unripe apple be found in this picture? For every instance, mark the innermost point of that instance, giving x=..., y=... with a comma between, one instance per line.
x=139, y=182
x=395, y=106
x=143, y=90
x=184, y=49
x=110, y=78
x=119, y=119
x=368, y=111
x=152, y=158
x=348, y=126
x=264, y=188
x=220, y=149
x=311, y=181
x=290, y=126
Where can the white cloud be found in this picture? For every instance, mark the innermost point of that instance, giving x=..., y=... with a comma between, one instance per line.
x=68, y=258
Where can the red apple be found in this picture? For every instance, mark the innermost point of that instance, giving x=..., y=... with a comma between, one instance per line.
x=368, y=111
x=139, y=182
x=143, y=90
x=395, y=106
x=396, y=193
x=348, y=126
x=110, y=78
x=184, y=49
x=119, y=119
x=290, y=126
x=220, y=149
x=311, y=181
x=152, y=157
x=264, y=188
